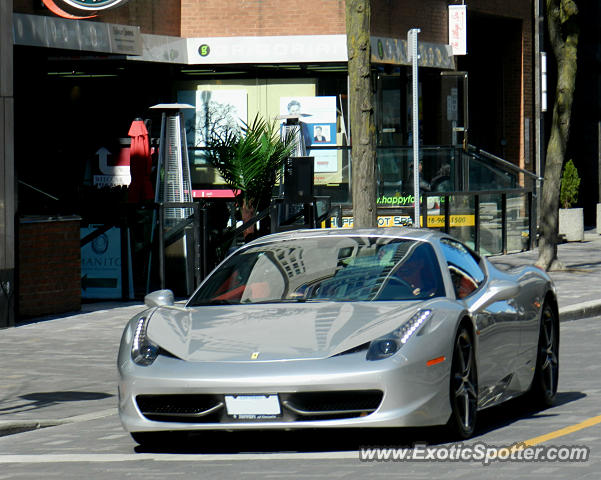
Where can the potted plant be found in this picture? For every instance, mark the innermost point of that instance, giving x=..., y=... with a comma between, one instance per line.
x=250, y=162
x=571, y=220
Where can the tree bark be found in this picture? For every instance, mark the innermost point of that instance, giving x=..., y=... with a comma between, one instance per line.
x=363, y=129
x=563, y=36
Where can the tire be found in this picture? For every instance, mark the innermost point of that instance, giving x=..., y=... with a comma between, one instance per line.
x=463, y=392
x=544, y=384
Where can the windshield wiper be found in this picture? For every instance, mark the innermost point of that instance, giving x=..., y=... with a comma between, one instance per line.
x=284, y=300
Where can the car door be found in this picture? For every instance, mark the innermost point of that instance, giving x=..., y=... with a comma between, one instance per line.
x=497, y=328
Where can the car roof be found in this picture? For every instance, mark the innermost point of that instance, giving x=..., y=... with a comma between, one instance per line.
x=399, y=232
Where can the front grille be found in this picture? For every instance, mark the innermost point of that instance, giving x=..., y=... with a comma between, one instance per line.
x=322, y=402
x=180, y=408
x=296, y=407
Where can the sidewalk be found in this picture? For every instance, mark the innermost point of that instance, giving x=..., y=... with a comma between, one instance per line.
x=579, y=286
x=62, y=369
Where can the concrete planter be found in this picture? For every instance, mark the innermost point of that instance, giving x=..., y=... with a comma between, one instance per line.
x=571, y=224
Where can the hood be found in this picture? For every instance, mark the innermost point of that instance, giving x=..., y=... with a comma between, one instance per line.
x=277, y=332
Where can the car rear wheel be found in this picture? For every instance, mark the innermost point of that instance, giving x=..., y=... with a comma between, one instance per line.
x=544, y=384
x=464, y=387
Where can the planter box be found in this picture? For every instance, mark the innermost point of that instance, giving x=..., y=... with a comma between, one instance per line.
x=49, y=266
x=571, y=224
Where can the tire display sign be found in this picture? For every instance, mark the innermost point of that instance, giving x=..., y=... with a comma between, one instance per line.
x=80, y=9
x=90, y=5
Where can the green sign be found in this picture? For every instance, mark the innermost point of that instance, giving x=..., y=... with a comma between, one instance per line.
x=204, y=50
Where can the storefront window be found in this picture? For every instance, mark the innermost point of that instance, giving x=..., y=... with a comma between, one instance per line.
x=228, y=105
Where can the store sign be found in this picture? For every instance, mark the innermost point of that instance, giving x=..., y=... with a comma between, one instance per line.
x=394, y=51
x=87, y=8
x=101, y=273
x=88, y=36
x=434, y=221
x=94, y=4
x=458, y=29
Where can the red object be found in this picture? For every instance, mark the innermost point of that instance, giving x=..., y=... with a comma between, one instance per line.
x=54, y=8
x=220, y=193
x=140, y=164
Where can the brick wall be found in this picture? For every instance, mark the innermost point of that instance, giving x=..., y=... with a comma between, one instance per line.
x=49, y=267
x=218, y=18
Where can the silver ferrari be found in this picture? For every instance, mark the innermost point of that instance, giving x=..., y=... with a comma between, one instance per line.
x=341, y=328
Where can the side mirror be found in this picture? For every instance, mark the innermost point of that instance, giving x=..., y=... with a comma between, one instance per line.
x=498, y=290
x=159, y=298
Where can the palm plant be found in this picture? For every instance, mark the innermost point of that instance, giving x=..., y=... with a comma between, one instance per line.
x=251, y=162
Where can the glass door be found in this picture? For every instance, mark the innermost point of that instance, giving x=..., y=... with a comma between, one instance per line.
x=454, y=108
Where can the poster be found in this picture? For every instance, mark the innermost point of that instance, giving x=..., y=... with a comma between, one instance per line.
x=318, y=127
x=101, y=275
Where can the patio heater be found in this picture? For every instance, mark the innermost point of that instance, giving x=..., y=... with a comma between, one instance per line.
x=173, y=185
x=173, y=182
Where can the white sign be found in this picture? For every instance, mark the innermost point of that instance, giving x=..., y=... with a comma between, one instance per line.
x=458, y=29
x=101, y=265
x=272, y=49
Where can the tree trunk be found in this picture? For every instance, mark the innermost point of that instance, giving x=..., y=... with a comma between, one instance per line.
x=563, y=35
x=363, y=129
x=247, y=211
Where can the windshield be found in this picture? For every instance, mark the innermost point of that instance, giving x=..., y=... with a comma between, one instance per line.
x=328, y=268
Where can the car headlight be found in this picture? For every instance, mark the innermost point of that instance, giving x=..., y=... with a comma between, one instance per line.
x=143, y=351
x=388, y=345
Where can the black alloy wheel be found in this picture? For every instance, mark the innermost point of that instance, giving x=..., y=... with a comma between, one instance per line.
x=464, y=387
x=544, y=384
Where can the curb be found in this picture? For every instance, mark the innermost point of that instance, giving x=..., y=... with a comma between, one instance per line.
x=10, y=427
x=580, y=311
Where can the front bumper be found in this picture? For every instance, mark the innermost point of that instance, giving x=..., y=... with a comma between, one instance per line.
x=412, y=394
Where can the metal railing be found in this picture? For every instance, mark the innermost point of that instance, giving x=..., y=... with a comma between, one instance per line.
x=145, y=239
x=491, y=222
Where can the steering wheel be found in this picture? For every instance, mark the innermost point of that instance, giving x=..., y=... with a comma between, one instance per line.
x=396, y=289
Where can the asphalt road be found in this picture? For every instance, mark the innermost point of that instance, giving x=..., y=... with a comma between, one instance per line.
x=93, y=445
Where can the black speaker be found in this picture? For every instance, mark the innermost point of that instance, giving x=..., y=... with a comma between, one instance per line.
x=298, y=179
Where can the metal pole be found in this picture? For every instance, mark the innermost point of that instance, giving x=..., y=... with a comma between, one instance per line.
x=504, y=223
x=477, y=223
x=538, y=117
x=412, y=44
x=162, y=245
x=7, y=169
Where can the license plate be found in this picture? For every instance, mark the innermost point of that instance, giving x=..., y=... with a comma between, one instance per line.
x=252, y=404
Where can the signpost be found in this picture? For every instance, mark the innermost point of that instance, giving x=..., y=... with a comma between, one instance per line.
x=414, y=58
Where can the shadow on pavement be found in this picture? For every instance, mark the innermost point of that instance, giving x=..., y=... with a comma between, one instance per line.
x=519, y=409
x=336, y=440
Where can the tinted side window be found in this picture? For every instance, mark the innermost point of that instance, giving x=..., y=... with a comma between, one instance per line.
x=463, y=266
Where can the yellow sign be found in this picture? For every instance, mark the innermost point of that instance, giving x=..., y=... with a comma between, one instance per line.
x=434, y=221
x=437, y=221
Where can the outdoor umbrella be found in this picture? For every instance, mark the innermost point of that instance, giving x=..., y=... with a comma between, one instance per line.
x=140, y=163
